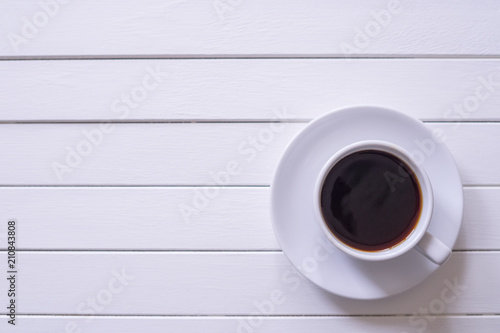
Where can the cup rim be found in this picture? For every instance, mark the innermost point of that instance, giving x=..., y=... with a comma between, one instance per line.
x=426, y=196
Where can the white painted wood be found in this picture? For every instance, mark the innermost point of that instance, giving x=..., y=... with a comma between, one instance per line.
x=187, y=154
x=180, y=27
x=138, y=219
x=189, y=283
x=442, y=324
x=212, y=290
x=132, y=218
x=480, y=222
x=245, y=88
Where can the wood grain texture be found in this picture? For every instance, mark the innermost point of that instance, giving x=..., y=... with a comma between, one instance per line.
x=260, y=27
x=191, y=154
x=134, y=218
x=442, y=324
x=246, y=89
x=136, y=283
x=186, y=277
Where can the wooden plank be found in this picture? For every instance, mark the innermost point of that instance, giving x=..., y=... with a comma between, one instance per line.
x=191, y=154
x=442, y=324
x=480, y=219
x=187, y=283
x=184, y=27
x=245, y=88
x=151, y=219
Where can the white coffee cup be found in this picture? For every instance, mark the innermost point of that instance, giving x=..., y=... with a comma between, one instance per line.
x=419, y=238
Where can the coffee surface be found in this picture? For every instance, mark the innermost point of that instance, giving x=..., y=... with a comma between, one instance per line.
x=371, y=200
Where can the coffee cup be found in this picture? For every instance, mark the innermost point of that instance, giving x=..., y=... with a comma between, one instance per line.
x=374, y=202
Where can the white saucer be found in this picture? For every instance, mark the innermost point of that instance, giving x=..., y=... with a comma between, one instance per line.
x=300, y=236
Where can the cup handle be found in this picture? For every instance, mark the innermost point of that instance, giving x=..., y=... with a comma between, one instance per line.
x=433, y=249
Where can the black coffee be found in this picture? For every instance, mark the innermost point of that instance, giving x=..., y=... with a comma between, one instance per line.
x=371, y=200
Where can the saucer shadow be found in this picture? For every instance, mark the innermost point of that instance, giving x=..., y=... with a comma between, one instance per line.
x=432, y=294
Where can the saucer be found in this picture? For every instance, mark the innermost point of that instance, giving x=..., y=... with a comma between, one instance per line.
x=292, y=193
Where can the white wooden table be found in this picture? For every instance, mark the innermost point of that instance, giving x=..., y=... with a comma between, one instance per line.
x=122, y=123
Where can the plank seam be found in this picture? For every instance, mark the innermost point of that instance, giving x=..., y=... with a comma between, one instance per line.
x=249, y=315
x=248, y=57
x=213, y=121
